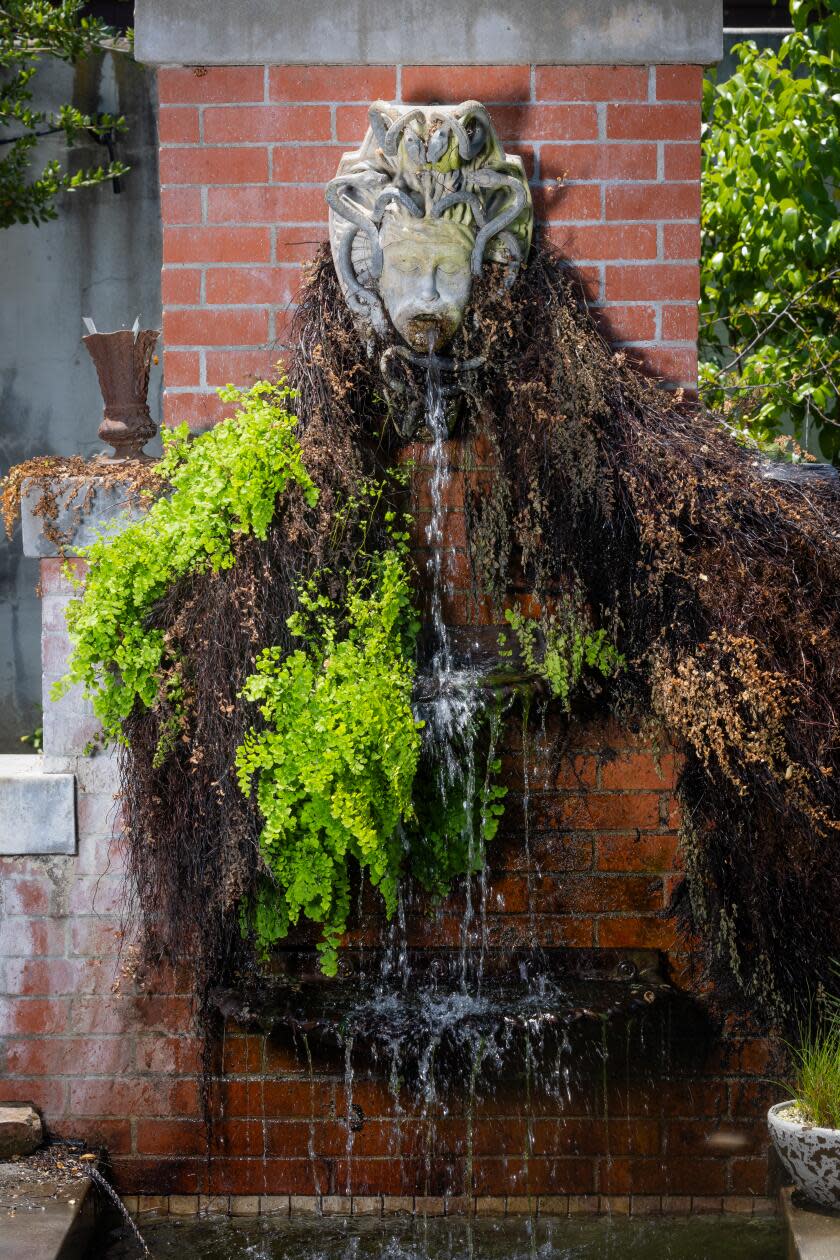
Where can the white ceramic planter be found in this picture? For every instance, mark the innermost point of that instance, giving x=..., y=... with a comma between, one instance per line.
x=811, y=1155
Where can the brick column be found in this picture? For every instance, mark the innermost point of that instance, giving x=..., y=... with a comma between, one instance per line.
x=612, y=151
x=246, y=149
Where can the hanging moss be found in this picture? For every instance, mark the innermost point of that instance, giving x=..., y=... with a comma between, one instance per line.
x=713, y=589
x=723, y=588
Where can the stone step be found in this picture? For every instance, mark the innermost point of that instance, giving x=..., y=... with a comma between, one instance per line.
x=21, y=1130
x=49, y=1220
x=813, y=1232
x=37, y=809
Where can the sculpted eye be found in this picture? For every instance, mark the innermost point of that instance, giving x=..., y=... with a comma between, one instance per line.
x=451, y=268
x=406, y=262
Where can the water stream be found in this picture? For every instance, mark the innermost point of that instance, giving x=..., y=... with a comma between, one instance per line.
x=447, y=1025
x=450, y=1025
x=422, y=1022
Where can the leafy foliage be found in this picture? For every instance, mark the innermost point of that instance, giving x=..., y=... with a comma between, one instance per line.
x=334, y=765
x=770, y=337
x=224, y=483
x=30, y=30
x=562, y=644
x=720, y=587
x=334, y=756
x=720, y=591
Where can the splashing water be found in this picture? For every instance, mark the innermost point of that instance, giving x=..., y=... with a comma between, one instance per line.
x=441, y=555
x=453, y=701
x=439, y=1023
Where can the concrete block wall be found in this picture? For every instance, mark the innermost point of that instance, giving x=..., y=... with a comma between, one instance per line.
x=612, y=151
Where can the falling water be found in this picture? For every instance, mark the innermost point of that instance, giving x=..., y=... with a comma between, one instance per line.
x=452, y=710
x=440, y=561
x=115, y=1200
x=454, y=1022
x=312, y=1117
x=349, y=1117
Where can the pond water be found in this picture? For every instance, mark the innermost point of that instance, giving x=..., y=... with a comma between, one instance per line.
x=425, y=1238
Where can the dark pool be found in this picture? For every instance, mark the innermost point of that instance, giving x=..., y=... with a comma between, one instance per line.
x=406, y=1238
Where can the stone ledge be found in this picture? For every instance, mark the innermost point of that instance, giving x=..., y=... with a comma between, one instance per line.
x=441, y=1205
x=84, y=509
x=813, y=1232
x=37, y=809
x=382, y=32
x=58, y=1225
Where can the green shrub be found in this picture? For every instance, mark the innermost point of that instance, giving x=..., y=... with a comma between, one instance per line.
x=334, y=765
x=769, y=341
x=223, y=483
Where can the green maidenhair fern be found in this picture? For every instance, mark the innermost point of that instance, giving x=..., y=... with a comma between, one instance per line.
x=224, y=483
x=334, y=766
x=562, y=645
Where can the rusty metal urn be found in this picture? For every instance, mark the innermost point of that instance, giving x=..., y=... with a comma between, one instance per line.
x=122, y=361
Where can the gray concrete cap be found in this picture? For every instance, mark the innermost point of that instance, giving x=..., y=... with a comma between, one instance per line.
x=437, y=32
x=85, y=509
x=813, y=1232
x=37, y=810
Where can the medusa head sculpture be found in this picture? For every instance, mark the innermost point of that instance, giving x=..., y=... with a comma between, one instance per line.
x=416, y=212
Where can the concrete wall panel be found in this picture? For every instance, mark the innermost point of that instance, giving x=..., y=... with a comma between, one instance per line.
x=440, y=32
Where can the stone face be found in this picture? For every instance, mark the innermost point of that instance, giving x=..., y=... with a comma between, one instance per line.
x=417, y=210
x=415, y=215
x=37, y=810
x=500, y=32
x=85, y=509
x=20, y=1129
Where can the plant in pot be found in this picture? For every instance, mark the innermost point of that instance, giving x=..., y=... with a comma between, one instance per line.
x=806, y=1129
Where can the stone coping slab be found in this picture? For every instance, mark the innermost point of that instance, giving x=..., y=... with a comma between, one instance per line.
x=37, y=809
x=54, y=1221
x=83, y=509
x=555, y=1205
x=813, y=1232
x=439, y=32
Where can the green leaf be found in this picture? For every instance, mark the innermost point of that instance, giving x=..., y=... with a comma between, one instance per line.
x=770, y=233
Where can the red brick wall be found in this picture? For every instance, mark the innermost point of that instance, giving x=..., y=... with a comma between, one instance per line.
x=677, y=1117
x=245, y=152
x=613, y=152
